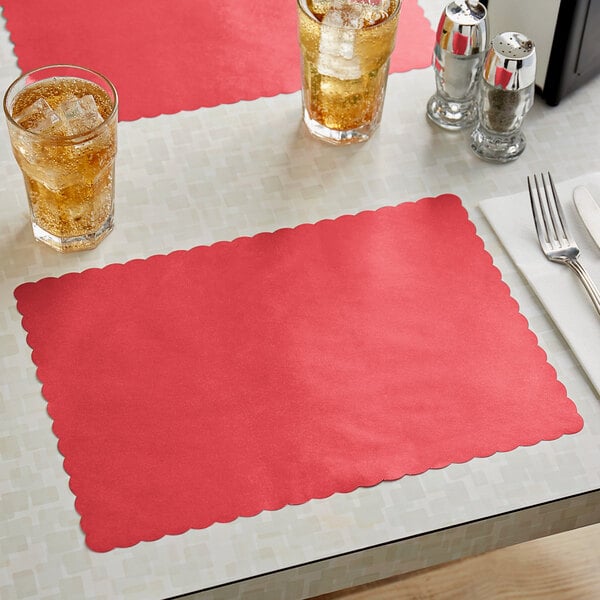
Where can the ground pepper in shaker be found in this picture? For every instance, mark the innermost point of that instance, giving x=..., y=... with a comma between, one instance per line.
x=457, y=60
x=506, y=94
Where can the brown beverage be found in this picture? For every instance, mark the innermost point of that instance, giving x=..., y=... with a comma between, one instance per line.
x=346, y=46
x=64, y=138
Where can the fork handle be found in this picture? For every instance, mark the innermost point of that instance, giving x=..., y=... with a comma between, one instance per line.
x=590, y=286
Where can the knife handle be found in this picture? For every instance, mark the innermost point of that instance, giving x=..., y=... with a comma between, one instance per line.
x=590, y=286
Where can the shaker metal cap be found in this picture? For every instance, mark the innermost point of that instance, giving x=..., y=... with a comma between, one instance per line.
x=510, y=61
x=462, y=29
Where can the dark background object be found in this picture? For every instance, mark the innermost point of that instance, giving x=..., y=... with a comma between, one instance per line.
x=574, y=54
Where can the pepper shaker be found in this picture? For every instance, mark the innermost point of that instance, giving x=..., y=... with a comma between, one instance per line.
x=506, y=94
x=457, y=60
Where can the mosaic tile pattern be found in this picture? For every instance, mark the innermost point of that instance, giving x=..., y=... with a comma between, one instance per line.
x=197, y=177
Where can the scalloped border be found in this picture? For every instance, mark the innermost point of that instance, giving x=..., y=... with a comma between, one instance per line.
x=297, y=501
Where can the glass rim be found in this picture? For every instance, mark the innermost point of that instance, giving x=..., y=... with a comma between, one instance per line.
x=59, y=138
x=303, y=6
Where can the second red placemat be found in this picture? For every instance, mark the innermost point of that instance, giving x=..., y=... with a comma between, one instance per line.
x=165, y=56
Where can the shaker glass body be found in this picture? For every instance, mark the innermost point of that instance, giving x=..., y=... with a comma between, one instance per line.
x=457, y=62
x=454, y=104
x=498, y=136
x=506, y=94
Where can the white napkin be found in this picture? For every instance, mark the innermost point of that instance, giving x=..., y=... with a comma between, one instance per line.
x=557, y=286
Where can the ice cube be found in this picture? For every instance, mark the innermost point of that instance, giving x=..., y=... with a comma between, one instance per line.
x=357, y=14
x=373, y=15
x=79, y=115
x=378, y=4
x=336, y=40
x=38, y=117
x=348, y=15
x=336, y=46
x=338, y=67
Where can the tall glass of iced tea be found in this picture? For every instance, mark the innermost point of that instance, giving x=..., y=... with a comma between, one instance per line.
x=62, y=122
x=346, y=47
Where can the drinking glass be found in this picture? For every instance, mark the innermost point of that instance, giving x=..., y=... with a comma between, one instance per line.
x=62, y=123
x=346, y=47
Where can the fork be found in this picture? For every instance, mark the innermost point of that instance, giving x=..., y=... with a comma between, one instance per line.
x=551, y=226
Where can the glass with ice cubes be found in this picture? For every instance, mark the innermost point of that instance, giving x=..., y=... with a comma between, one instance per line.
x=62, y=122
x=346, y=47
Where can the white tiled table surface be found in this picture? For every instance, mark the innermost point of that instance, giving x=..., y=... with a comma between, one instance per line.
x=212, y=174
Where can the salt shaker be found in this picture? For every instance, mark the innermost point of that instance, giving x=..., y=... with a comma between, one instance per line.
x=506, y=94
x=457, y=60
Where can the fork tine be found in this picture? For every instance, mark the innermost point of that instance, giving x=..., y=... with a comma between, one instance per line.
x=549, y=212
x=537, y=208
x=562, y=231
x=550, y=220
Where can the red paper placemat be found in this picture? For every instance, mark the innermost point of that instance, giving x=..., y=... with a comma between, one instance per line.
x=229, y=379
x=165, y=56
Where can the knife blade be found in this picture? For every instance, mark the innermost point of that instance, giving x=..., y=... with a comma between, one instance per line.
x=589, y=211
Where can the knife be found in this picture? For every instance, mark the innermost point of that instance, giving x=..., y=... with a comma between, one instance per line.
x=589, y=211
